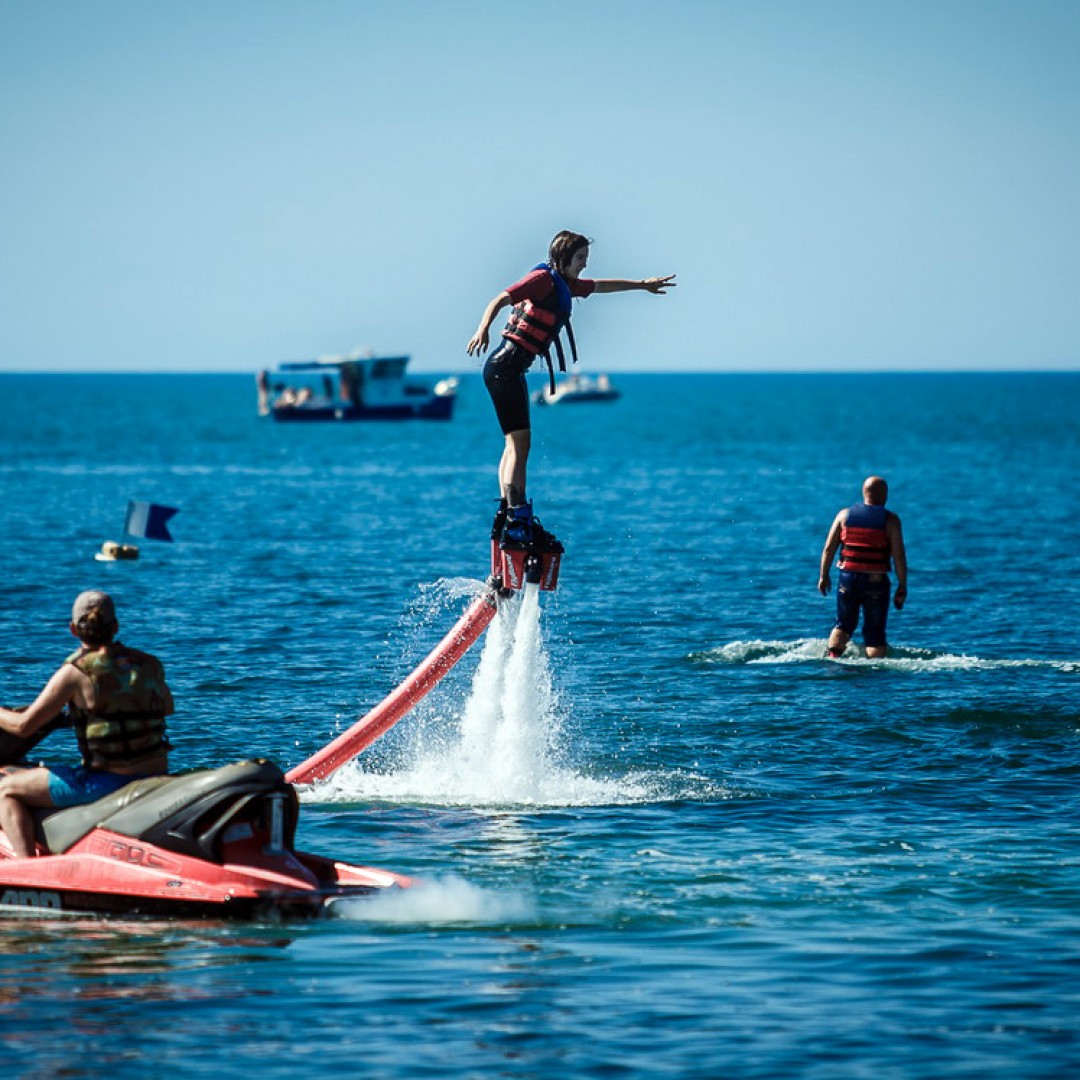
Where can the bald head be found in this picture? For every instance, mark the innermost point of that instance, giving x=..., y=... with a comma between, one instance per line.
x=875, y=491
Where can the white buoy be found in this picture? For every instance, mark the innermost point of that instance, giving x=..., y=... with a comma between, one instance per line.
x=111, y=551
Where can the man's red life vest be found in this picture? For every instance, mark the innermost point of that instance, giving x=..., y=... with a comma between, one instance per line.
x=864, y=541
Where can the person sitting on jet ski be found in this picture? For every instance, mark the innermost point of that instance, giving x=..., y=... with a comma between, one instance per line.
x=541, y=308
x=117, y=700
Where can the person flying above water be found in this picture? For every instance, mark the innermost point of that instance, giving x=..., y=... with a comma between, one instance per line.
x=117, y=699
x=541, y=304
x=869, y=538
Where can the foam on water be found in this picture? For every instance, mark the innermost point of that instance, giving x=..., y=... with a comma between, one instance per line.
x=439, y=901
x=505, y=748
x=813, y=650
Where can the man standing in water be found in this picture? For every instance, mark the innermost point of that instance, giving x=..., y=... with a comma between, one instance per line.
x=869, y=538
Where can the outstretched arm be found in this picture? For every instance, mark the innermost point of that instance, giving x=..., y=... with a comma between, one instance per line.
x=657, y=285
x=828, y=552
x=478, y=343
x=59, y=690
x=895, y=533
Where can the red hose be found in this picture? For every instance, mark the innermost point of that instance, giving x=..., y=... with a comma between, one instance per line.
x=389, y=711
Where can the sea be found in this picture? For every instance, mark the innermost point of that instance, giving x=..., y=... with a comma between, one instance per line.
x=655, y=833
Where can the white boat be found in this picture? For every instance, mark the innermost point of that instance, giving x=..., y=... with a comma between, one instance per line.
x=578, y=388
x=354, y=387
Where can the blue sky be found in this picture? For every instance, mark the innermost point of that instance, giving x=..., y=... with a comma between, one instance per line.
x=216, y=186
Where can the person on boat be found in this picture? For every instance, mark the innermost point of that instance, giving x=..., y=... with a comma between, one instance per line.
x=869, y=538
x=117, y=699
x=541, y=303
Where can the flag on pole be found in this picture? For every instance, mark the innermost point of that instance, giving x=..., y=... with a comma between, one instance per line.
x=148, y=520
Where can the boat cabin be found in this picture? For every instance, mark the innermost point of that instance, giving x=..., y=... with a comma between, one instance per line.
x=352, y=388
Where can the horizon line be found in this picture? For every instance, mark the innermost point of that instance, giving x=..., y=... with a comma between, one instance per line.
x=598, y=370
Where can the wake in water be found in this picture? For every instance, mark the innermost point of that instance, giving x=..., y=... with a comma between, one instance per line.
x=506, y=748
x=813, y=650
x=439, y=901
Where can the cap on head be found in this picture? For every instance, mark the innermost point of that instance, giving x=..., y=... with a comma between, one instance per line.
x=92, y=600
x=93, y=616
x=875, y=491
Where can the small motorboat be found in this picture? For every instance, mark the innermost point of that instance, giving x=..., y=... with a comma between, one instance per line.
x=218, y=843
x=578, y=388
x=354, y=387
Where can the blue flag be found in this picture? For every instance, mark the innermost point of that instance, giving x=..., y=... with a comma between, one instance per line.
x=148, y=520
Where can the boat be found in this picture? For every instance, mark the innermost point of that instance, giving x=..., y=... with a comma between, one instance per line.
x=216, y=842
x=578, y=388
x=353, y=387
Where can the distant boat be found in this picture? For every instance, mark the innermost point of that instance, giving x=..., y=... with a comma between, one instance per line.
x=352, y=388
x=578, y=388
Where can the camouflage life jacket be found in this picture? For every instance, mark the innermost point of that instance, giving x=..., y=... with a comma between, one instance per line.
x=127, y=722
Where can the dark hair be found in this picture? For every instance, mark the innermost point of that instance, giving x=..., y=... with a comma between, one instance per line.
x=562, y=247
x=97, y=627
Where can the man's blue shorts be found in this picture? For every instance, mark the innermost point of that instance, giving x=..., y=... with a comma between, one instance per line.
x=868, y=593
x=79, y=785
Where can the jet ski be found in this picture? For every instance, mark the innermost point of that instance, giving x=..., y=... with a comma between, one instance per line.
x=217, y=843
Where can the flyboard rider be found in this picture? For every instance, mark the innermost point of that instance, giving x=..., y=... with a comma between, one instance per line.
x=117, y=699
x=869, y=538
x=541, y=303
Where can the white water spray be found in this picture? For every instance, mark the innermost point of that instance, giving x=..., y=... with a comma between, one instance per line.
x=506, y=750
x=509, y=725
x=900, y=658
x=439, y=901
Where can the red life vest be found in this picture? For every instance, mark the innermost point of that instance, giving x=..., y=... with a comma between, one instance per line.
x=864, y=541
x=535, y=324
x=532, y=326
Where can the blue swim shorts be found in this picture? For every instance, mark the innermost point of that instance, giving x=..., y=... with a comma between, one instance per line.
x=868, y=593
x=79, y=785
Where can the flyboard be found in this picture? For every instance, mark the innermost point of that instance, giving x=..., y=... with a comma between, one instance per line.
x=512, y=567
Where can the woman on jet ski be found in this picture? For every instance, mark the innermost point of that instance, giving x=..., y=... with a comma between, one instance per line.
x=117, y=699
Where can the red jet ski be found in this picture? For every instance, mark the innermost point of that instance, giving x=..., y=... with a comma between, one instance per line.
x=215, y=843
x=220, y=842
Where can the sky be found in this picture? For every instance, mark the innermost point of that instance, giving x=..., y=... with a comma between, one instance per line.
x=840, y=185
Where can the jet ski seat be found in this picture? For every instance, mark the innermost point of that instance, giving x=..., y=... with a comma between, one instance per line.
x=186, y=813
x=60, y=829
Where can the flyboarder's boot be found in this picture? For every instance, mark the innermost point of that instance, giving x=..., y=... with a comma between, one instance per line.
x=517, y=533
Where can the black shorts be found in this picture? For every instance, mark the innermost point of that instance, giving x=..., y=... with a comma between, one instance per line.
x=870, y=594
x=504, y=377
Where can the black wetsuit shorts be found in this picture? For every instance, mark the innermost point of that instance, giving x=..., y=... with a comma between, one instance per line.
x=504, y=377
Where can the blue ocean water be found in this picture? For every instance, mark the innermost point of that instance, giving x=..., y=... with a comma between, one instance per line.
x=659, y=836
